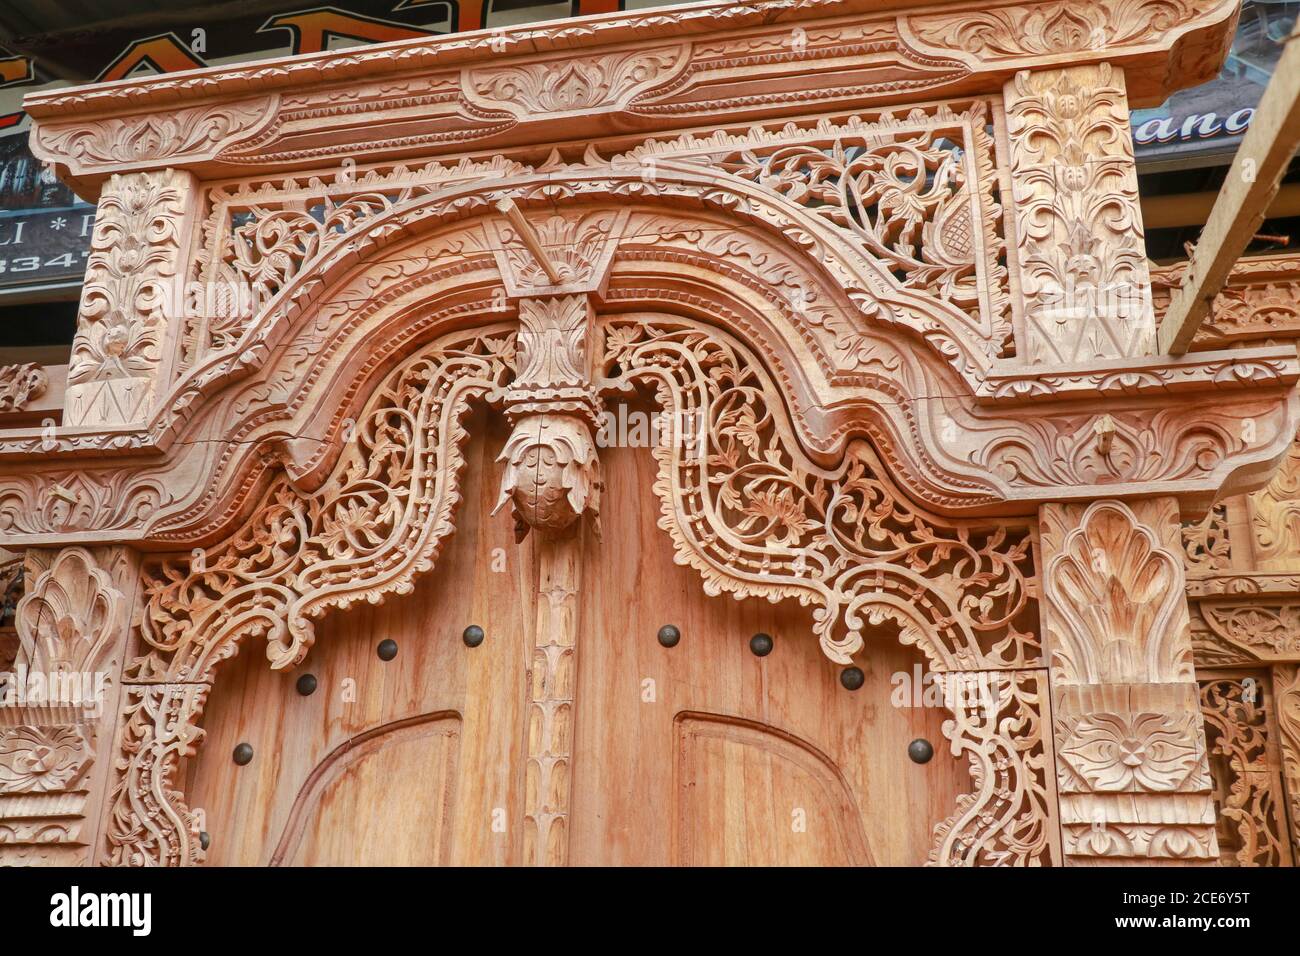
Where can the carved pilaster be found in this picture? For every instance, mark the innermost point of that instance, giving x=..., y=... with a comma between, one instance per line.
x=56, y=722
x=1082, y=263
x=1131, y=760
x=132, y=293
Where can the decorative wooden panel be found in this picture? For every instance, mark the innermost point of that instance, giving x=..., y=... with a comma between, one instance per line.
x=384, y=797
x=748, y=795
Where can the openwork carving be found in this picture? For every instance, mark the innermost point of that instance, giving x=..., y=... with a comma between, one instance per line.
x=748, y=511
x=258, y=236
x=1008, y=818
x=1248, y=793
x=379, y=520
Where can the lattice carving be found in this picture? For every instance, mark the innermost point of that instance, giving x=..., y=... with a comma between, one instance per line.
x=1248, y=792
x=748, y=511
x=380, y=519
x=1008, y=818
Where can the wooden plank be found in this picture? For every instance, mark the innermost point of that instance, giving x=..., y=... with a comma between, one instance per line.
x=1247, y=193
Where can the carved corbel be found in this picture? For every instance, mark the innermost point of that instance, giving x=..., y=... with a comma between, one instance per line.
x=552, y=473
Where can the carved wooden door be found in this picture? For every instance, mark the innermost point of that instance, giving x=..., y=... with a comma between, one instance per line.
x=699, y=753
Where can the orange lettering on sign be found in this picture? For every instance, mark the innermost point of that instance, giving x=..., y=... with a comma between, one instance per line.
x=466, y=14
x=163, y=54
x=312, y=30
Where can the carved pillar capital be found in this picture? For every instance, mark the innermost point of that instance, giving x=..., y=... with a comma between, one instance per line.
x=1131, y=763
x=1078, y=228
x=56, y=716
x=132, y=294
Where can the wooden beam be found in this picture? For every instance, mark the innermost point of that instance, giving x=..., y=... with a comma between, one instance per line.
x=1246, y=195
x=1176, y=210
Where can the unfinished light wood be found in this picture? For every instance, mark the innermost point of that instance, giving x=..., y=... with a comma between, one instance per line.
x=820, y=239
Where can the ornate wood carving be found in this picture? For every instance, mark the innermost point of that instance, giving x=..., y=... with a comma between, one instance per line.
x=1286, y=710
x=1248, y=794
x=552, y=472
x=19, y=384
x=1009, y=817
x=129, y=295
x=882, y=332
x=755, y=517
x=1083, y=264
x=56, y=716
x=1130, y=749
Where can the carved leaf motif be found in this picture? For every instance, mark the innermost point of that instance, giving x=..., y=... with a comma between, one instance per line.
x=70, y=615
x=379, y=520
x=1112, y=577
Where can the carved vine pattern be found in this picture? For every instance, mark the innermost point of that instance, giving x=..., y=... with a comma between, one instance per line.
x=1248, y=791
x=379, y=520
x=755, y=517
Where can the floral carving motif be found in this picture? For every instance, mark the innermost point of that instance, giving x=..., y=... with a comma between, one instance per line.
x=192, y=132
x=1084, y=267
x=754, y=517
x=380, y=519
x=1050, y=29
x=1127, y=752
x=1248, y=789
x=127, y=297
x=44, y=759
x=1008, y=817
x=574, y=84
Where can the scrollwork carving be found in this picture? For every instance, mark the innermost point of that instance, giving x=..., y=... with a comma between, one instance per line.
x=754, y=517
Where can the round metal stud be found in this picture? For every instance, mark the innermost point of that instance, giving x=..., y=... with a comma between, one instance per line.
x=387, y=649
x=669, y=635
x=472, y=636
x=243, y=754
x=761, y=644
x=920, y=750
x=205, y=841
x=306, y=685
x=852, y=678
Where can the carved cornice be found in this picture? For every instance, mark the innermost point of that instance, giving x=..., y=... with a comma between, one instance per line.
x=1260, y=301
x=653, y=69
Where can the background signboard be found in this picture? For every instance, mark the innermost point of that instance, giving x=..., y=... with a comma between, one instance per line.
x=1203, y=125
